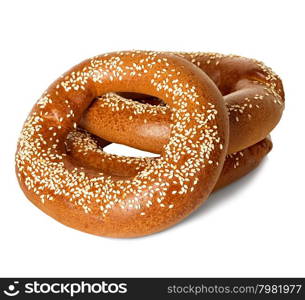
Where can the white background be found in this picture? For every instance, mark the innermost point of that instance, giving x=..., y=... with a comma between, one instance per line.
x=254, y=227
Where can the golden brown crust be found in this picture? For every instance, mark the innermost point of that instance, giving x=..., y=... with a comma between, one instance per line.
x=157, y=197
x=253, y=95
x=240, y=163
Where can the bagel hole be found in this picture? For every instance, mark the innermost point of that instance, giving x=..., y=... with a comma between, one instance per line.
x=141, y=98
x=124, y=150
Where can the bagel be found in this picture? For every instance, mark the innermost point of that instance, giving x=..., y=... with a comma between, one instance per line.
x=252, y=92
x=157, y=197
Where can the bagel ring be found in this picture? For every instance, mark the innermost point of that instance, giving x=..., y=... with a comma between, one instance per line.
x=162, y=194
x=253, y=95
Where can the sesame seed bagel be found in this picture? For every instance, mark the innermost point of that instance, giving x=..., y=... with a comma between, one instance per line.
x=87, y=149
x=165, y=192
x=252, y=92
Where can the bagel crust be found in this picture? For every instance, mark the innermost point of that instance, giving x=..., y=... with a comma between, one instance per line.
x=160, y=195
x=252, y=92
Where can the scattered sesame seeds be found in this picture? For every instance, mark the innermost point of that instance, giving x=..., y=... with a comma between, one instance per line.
x=41, y=160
